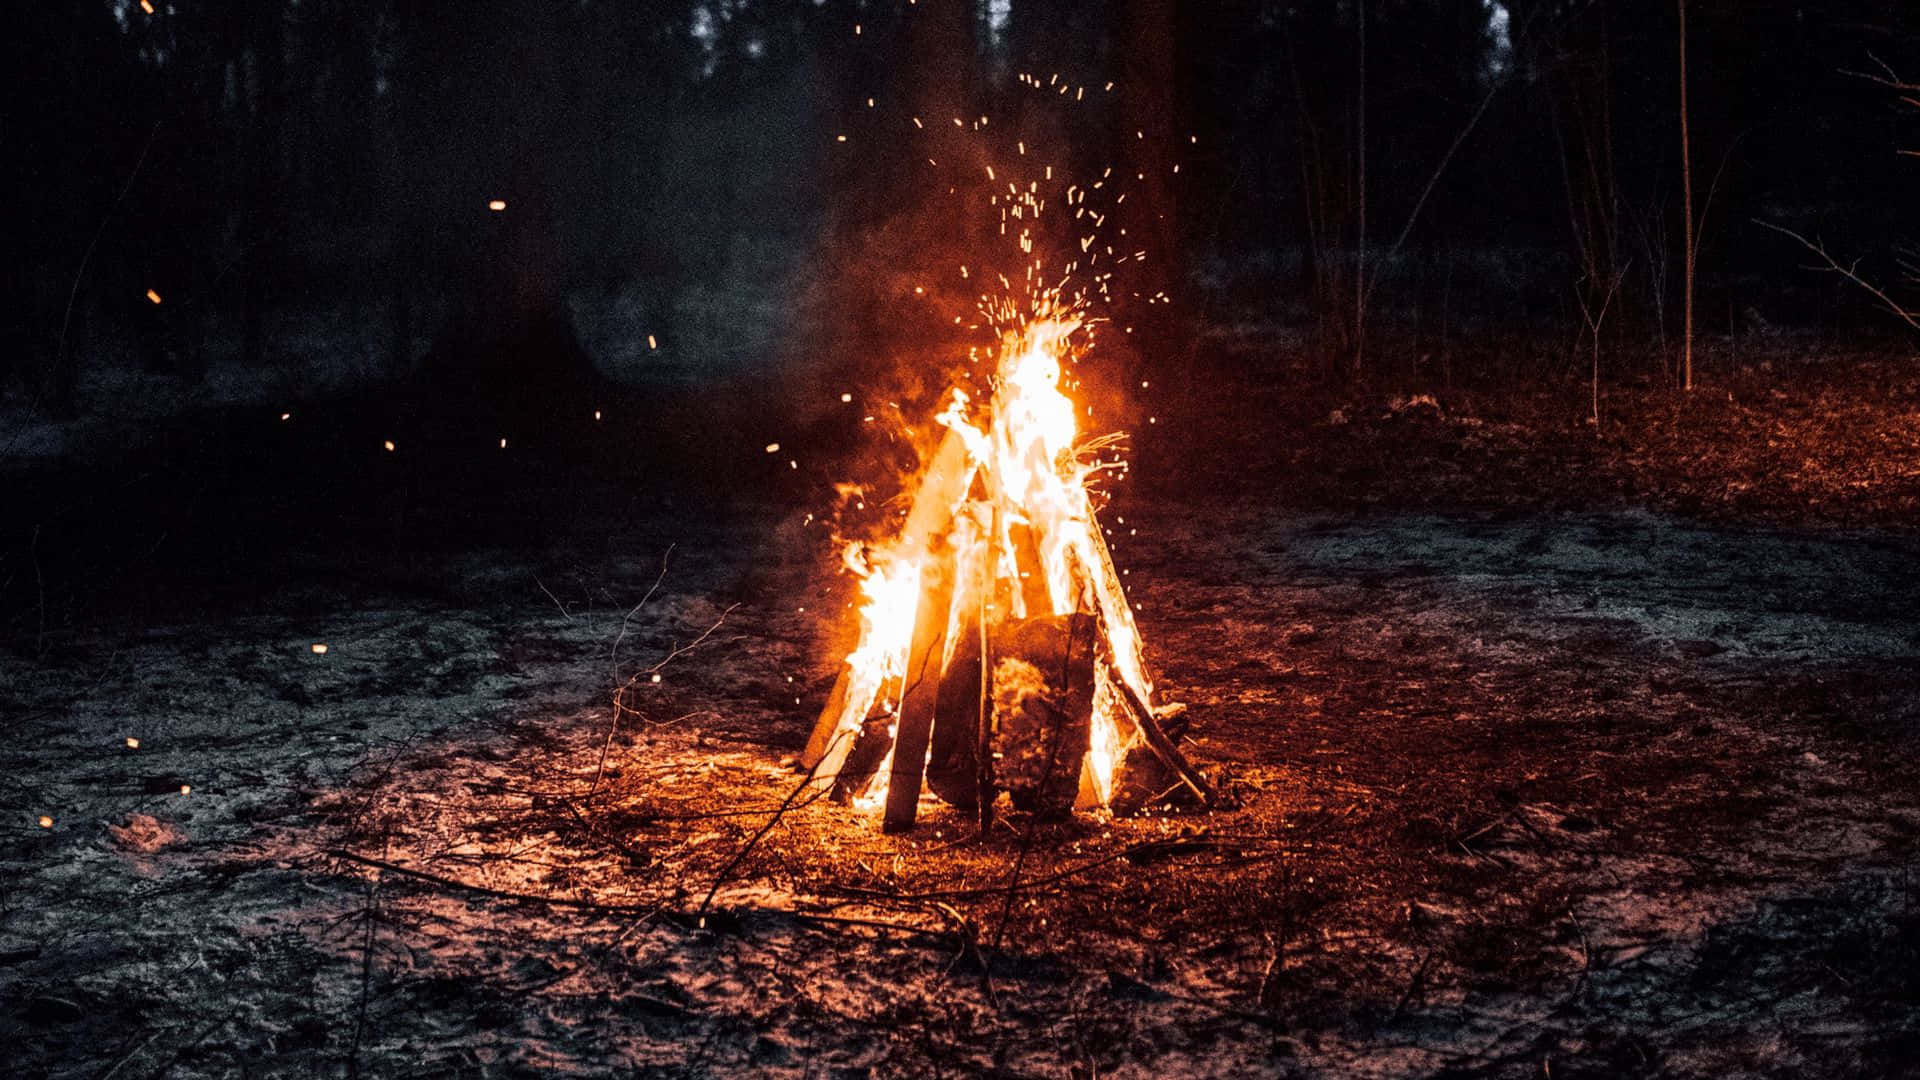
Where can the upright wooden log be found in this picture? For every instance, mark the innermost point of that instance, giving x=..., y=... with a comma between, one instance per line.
x=855, y=766
x=1119, y=621
x=920, y=695
x=952, y=767
x=941, y=489
x=985, y=789
x=1139, y=707
x=1036, y=598
x=821, y=739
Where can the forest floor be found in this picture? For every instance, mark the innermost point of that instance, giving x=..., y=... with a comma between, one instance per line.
x=1549, y=752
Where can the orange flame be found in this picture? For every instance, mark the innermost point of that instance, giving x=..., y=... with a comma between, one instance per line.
x=1023, y=447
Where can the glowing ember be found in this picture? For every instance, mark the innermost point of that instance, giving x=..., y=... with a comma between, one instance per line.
x=46, y=822
x=133, y=743
x=153, y=296
x=319, y=648
x=496, y=205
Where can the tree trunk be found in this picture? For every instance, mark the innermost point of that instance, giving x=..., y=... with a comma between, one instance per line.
x=1686, y=188
x=1360, y=197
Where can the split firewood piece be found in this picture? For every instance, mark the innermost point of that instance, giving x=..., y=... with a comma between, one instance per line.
x=1119, y=617
x=941, y=491
x=953, y=771
x=1138, y=709
x=921, y=693
x=855, y=748
x=1031, y=580
x=859, y=757
x=991, y=609
x=941, y=488
x=1043, y=672
x=821, y=739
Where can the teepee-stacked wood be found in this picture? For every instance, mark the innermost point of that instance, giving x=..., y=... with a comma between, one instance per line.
x=1018, y=667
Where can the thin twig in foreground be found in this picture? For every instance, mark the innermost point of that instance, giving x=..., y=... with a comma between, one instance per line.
x=619, y=695
x=485, y=890
x=666, y=558
x=785, y=805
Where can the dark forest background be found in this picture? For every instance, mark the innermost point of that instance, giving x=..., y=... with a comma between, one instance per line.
x=304, y=182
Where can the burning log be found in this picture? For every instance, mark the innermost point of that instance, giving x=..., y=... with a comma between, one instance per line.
x=925, y=667
x=955, y=763
x=997, y=649
x=1155, y=769
x=1043, y=682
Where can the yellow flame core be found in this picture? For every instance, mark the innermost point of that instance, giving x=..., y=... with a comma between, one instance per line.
x=1023, y=447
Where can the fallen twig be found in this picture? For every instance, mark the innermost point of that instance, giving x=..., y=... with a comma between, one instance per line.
x=130, y=1055
x=614, y=653
x=486, y=890
x=181, y=1051
x=593, y=831
x=371, y=915
x=785, y=805
x=1153, y=846
x=619, y=703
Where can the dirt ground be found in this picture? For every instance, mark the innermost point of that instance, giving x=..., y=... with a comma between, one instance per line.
x=1532, y=772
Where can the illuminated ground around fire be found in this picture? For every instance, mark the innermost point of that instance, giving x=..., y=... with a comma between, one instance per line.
x=1606, y=788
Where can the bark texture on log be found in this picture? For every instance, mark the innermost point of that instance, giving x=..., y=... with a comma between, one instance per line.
x=953, y=770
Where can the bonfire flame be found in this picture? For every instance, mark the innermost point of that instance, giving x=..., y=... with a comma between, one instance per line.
x=1003, y=528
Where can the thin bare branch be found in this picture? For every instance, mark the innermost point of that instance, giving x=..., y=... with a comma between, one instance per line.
x=754, y=841
x=568, y=615
x=1911, y=318
x=1888, y=77
x=614, y=654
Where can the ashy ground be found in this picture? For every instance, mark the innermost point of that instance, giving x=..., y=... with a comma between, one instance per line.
x=1551, y=784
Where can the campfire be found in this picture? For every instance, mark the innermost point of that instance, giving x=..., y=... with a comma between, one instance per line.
x=997, y=651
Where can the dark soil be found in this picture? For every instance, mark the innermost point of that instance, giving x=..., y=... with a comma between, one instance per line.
x=1550, y=751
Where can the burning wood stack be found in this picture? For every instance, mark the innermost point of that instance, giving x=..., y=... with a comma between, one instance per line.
x=997, y=650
